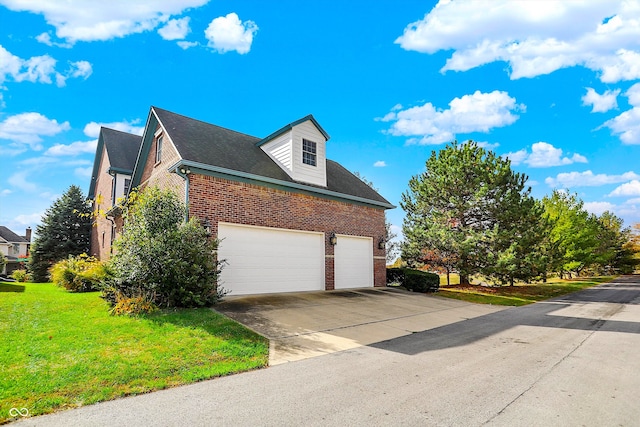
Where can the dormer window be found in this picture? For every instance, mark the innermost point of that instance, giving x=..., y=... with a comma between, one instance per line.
x=309, y=152
x=159, y=149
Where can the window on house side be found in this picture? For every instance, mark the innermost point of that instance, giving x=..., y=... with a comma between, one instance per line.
x=127, y=184
x=309, y=149
x=158, y=149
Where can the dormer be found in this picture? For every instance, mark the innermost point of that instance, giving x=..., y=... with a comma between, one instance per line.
x=299, y=148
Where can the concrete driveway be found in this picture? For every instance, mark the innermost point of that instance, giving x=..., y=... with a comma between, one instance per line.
x=308, y=324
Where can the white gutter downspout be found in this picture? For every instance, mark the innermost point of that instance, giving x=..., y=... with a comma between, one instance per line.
x=184, y=172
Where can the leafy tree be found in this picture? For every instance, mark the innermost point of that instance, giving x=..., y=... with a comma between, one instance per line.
x=468, y=205
x=160, y=257
x=574, y=232
x=65, y=230
x=3, y=262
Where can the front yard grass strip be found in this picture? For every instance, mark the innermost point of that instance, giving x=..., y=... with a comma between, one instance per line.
x=521, y=294
x=61, y=350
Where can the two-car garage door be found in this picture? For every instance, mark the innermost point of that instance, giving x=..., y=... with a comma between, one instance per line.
x=270, y=260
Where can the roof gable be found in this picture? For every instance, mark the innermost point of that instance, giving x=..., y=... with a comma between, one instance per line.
x=11, y=237
x=290, y=126
x=122, y=151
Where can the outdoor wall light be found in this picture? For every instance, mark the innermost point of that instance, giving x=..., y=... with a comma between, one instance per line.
x=381, y=243
x=333, y=239
x=185, y=171
x=207, y=226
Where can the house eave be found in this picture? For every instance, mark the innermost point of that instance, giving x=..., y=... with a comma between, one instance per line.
x=275, y=183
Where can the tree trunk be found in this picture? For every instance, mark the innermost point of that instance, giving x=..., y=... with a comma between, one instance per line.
x=464, y=279
x=510, y=281
x=448, y=279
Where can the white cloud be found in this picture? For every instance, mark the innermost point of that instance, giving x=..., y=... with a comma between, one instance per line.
x=631, y=188
x=28, y=128
x=84, y=173
x=534, y=38
x=81, y=20
x=39, y=69
x=186, y=45
x=543, y=155
x=380, y=164
x=601, y=103
x=20, y=181
x=488, y=145
x=517, y=157
x=72, y=149
x=12, y=149
x=598, y=208
x=28, y=219
x=175, y=29
x=627, y=124
x=478, y=112
x=5, y=192
x=93, y=129
x=228, y=33
x=588, y=179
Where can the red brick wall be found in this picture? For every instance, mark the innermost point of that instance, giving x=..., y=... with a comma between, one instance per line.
x=217, y=199
x=101, y=225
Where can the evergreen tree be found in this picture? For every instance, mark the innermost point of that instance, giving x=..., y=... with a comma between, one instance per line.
x=470, y=206
x=65, y=230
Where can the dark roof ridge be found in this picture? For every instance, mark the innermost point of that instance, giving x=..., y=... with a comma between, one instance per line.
x=203, y=122
x=117, y=130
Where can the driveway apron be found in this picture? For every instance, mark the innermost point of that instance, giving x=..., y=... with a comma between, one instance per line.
x=308, y=324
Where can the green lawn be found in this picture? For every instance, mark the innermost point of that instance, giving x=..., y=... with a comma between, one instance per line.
x=520, y=294
x=61, y=350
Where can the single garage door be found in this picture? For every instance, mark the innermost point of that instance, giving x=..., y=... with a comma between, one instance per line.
x=266, y=260
x=353, y=262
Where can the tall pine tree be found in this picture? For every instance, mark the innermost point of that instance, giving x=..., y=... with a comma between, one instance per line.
x=65, y=230
x=470, y=205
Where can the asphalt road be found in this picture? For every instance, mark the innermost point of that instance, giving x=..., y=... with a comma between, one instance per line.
x=569, y=361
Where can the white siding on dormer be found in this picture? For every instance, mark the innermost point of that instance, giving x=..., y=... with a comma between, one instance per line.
x=280, y=150
x=316, y=175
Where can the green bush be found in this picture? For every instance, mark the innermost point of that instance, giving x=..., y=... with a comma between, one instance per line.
x=172, y=263
x=78, y=274
x=20, y=275
x=414, y=280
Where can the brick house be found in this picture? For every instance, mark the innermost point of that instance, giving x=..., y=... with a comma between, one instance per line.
x=113, y=165
x=14, y=248
x=288, y=219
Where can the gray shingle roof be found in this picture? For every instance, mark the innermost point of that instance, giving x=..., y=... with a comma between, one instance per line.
x=122, y=148
x=212, y=145
x=10, y=236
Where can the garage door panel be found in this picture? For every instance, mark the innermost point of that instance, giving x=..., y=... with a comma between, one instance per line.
x=266, y=260
x=353, y=262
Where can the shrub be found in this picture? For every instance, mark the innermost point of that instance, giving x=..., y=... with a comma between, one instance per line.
x=78, y=274
x=132, y=306
x=170, y=262
x=414, y=280
x=20, y=275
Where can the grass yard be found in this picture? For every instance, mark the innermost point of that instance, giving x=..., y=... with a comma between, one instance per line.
x=520, y=294
x=60, y=350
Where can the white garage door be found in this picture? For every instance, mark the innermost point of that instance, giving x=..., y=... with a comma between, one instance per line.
x=353, y=262
x=265, y=260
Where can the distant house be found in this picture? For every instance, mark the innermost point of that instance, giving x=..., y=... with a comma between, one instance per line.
x=14, y=248
x=288, y=218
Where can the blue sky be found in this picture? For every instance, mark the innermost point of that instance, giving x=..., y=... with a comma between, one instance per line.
x=555, y=86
